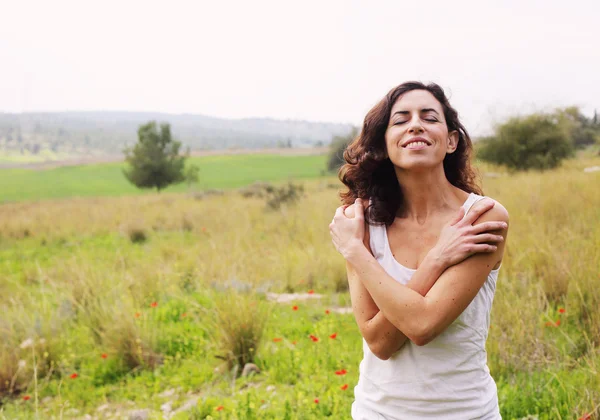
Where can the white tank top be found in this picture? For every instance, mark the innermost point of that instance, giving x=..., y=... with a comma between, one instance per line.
x=448, y=378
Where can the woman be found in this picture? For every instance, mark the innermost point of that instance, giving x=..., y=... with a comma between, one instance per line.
x=422, y=261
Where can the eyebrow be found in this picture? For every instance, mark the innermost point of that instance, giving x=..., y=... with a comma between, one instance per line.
x=422, y=111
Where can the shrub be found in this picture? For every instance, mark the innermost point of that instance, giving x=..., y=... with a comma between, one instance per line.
x=537, y=141
x=290, y=193
x=136, y=232
x=336, y=150
x=240, y=322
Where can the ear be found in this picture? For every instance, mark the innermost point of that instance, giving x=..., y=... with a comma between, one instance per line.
x=452, y=142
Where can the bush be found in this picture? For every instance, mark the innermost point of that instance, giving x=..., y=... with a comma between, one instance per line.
x=240, y=323
x=290, y=193
x=336, y=150
x=538, y=141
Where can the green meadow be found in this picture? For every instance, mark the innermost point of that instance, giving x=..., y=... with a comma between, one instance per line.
x=151, y=305
x=107, y=179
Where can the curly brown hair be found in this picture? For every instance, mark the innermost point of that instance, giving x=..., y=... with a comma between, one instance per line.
x=368, y=172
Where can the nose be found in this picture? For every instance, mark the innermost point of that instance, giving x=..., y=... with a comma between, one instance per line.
x=415, y=126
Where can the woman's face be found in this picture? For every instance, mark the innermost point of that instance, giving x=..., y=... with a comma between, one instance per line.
x=417, y=135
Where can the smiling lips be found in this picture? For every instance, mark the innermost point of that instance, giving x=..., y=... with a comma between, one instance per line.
x=416, y=143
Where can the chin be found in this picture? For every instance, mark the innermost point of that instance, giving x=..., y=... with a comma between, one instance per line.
x=416, y=163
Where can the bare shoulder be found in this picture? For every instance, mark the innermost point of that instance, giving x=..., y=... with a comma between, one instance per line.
x=496, y=213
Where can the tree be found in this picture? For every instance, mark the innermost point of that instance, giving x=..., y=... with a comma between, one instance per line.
x=537, y=141
x=155, y=160
x=191, y=175
x=337, y=147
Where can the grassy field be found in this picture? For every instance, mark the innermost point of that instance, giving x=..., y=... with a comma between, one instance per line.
x=107, y=179
x=154, y=302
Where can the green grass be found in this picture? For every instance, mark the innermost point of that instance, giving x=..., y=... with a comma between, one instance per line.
x=222, y=172
x=76, y=287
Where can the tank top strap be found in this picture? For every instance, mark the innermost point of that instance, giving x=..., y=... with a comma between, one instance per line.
x=377, y=240
x=471, y=200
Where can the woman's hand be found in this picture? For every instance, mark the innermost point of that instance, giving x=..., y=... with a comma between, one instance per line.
x=347, y=233
x=460, y=239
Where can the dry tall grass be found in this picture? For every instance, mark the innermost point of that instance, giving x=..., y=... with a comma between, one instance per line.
x=76, y=279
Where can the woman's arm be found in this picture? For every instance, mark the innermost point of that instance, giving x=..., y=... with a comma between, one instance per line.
x=420, y=318
x=383, y=338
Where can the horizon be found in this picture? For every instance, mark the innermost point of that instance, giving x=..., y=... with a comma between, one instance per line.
x=238, y=61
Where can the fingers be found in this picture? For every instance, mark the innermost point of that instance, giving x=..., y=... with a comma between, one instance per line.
x=478, y=209
x=339, y=212
x=488, y=227
x=459, y=216
x=477, y=248
x=359, y=212
x=487, y=237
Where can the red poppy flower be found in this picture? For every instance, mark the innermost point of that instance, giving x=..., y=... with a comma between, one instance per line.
x=73, y=375
x=203, y=229
x=295, y=308
x=333, y=336
x=344, y=387
x=316, y=401
x=219, y=408
x=341, y=372
x=137, y=314
x=294, y=342
x=154, y=304
x=314, y=338
x=183, y=315
x=326, y=311
x=104, y=355
x=561, y=310
x=586, y=416
x=26, y=398
x=277, y=339
x=557, y=322
x=310, y=292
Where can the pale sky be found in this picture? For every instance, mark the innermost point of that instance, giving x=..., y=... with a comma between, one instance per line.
x=313, y=60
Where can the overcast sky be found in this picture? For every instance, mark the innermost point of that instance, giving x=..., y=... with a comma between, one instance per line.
x=314, y=60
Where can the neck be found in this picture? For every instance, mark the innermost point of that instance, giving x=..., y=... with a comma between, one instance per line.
x=425, y=193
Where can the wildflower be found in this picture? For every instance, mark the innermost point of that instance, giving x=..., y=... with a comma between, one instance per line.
x=316, y=401
x=561, y=310
x=295, y=308
x=73, y=375
x=137, y=314
x=314, y=338
x=310, y=292
x=586, y=416
x=341, y=372
x=26, y=397
x=183, y=315
x=327, y=312
x=557, y=322
x=344, y=387
x=154, y=304
x=294, y=342
x=277, y=339
x=219, y=408
x=104, y=355
x=203, y=229
x=333, y=336
x=26, y=344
